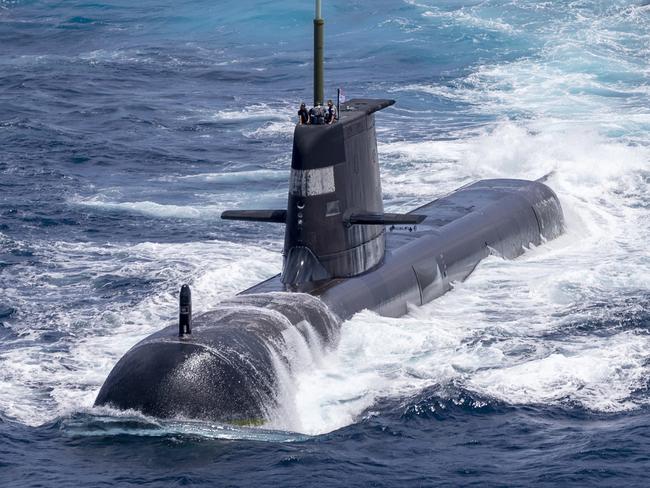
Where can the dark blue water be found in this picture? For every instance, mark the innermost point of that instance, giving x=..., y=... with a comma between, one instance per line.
x=127, y=127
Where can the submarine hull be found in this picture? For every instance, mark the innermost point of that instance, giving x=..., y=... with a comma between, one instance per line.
x=232, y=367
x=229, y=369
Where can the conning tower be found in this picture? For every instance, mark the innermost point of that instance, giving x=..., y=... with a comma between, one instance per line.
x=335, y=220
x=335, y=216
x=334, y=181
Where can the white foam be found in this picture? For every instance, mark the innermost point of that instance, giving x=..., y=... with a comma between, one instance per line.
x=50, y=383
x=598, y=373
x=260, y=112
x=283, y=128
x=154, y=209
x=258, y=175
x=258, y=121
x=588, y=66
x=203, y=210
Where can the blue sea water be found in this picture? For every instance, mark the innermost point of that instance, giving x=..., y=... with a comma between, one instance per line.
x=127, y=127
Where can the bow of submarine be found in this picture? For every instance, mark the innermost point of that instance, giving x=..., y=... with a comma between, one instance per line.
x=168, y=377
x=227, y=369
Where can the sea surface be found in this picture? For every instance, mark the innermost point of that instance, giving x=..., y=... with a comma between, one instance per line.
x=127, y=127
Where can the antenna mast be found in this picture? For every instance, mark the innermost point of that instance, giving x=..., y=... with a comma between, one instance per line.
x=319, y=42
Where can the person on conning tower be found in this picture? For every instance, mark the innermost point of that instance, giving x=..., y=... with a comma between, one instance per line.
x=330, y=114
x=303, y=115
x=317, y=115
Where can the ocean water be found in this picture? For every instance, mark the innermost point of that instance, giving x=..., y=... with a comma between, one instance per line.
x=127, y=127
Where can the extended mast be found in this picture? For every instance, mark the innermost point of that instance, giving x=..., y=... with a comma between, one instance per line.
x=319, y=43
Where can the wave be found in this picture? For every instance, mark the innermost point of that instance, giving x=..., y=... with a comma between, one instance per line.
x=234, y=177
x=585, y=64
x=59, y=300
x=200, y=211
x=154, y=209
x=273, y=129
x=466, y=16
x=260, y=112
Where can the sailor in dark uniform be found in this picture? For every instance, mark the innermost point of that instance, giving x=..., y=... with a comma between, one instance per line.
x=303, y=115
x=317, y=115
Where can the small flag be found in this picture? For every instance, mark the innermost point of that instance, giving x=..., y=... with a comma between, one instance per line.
x=341, y=95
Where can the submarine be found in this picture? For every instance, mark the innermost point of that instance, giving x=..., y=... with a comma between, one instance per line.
x=342, y=254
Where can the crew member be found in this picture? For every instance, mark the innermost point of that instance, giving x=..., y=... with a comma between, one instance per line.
x=303, y=115
x=330, y=115
x=317, y=115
